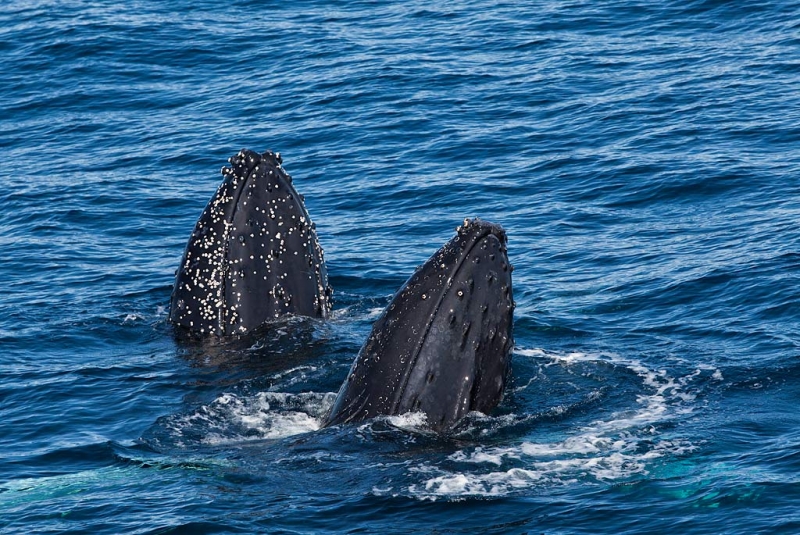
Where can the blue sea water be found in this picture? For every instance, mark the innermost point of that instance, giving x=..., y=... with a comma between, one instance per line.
x=644, y=158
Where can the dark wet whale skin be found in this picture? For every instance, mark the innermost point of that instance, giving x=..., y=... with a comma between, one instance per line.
x=253, y=256
x=442, y=346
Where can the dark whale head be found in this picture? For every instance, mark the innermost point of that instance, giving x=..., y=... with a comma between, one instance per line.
x=442, y=346
x=253, y=256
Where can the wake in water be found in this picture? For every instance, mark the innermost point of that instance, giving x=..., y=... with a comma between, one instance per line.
x=622, y=445
x=231, y=419
x=591, y=436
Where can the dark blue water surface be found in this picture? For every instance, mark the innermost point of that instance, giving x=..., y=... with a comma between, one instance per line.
x=644, y=158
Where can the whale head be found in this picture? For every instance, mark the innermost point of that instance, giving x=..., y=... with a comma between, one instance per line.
x=253, y=256
x=442, y=346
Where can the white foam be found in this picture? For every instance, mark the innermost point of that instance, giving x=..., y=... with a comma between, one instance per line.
x=340, y=312
x=349, y=312
x=373, y=313
x=231, y=419
x=602, y=459
x=493, y=456
x=409, y=421
x=493, y=484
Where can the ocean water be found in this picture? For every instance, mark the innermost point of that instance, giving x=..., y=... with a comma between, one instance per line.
x=644, y=158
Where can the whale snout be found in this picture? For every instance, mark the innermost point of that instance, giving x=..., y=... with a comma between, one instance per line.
x=442, y=346
x=253, y=256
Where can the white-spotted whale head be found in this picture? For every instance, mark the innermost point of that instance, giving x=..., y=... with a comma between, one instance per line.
x=253, y=256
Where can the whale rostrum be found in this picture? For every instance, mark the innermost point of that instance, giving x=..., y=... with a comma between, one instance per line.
x=442, y=346
x=253, y=256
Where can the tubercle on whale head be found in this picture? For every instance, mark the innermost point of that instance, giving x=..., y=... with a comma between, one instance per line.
x=253, y=256
x=442, y=346
x=479, y=227
x=473, y=230
x=246, y=161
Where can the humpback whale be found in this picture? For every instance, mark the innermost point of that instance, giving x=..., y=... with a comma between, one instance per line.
x=442, y=345
x=253, y=256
